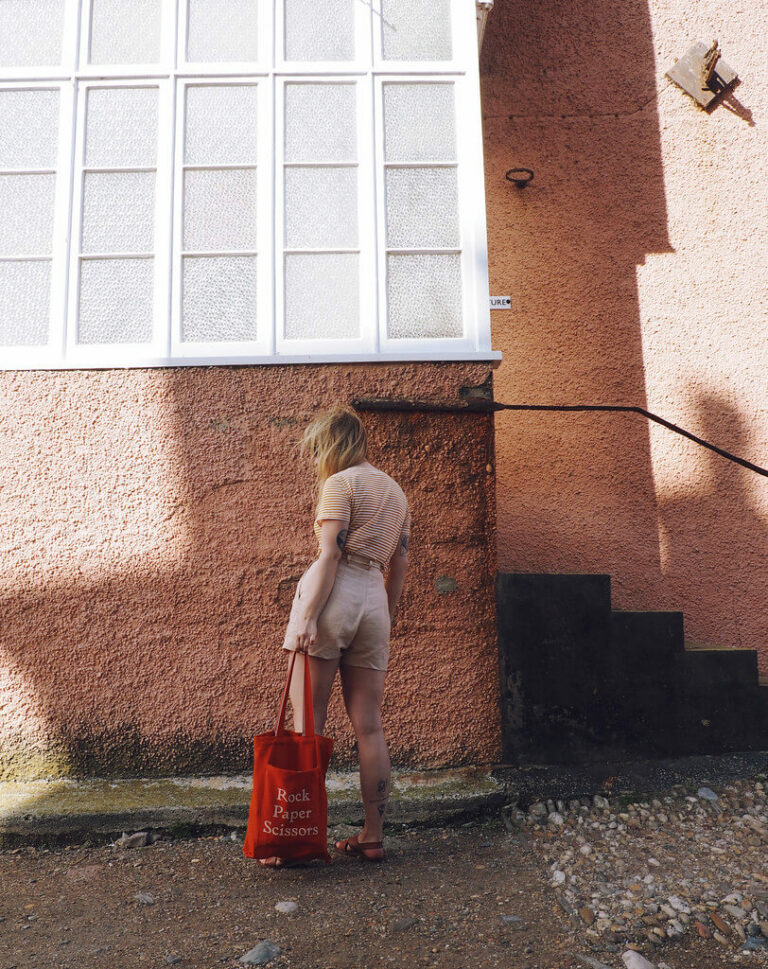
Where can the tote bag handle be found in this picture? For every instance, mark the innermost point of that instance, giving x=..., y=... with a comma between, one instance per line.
x=309, y=715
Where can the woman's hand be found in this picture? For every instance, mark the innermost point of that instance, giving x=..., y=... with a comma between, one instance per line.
x=306, y=634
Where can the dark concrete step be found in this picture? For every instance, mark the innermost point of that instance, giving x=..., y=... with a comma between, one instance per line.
x=715, y=672
x=642, y=639
x=731, y=720
x=554, y=654
x=556, y=631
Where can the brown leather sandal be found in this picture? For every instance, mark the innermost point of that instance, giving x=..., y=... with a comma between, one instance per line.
x=351, y=846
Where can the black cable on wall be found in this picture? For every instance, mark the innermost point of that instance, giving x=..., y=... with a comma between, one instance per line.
x=484, y=406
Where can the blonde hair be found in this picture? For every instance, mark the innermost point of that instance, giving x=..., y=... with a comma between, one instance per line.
x=336, y=439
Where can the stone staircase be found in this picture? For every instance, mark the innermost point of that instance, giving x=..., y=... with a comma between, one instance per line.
x=581, y=683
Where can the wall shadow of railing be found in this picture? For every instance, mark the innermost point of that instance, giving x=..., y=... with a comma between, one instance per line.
x=714, y=536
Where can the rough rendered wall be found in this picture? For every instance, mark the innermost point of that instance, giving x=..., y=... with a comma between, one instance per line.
x=637, y=264
x=154, y=524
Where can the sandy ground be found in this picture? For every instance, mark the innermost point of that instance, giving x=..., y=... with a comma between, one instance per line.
x=439, y=900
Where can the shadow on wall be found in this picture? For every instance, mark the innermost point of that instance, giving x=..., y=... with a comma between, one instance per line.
x=154, y=525
x=569, y=91
x=714, y=539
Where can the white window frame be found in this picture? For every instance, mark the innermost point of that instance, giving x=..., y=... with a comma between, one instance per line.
x=366, y=342
x=187, y=350
x=172, y=76
x=48, y=355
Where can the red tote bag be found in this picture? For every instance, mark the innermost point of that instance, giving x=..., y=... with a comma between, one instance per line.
x=288, y=816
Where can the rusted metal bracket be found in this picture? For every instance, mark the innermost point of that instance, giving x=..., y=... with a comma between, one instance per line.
x=472, y=406
x=702, y=73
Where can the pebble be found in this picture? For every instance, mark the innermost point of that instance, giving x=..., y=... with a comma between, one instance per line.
x=558, y=877
x=589, y=961
x=512, y=920
x=755, y=945
x=261, y=954
x=720, y=923
x=287, y=908
x=587, y=914
x=633, y=960
x=145, y=898
x=172, y=960
x=404, y=924
x=678, y=904
x=735, y=898
x=734, y=910
x=140, y=839
x=707, y=794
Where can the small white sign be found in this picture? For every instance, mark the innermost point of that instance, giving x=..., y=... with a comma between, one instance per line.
x=501, y=302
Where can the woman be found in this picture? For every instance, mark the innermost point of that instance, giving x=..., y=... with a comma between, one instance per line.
x=342, y=612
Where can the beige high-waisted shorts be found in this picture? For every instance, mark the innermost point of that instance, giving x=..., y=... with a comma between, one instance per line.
x=354, y=624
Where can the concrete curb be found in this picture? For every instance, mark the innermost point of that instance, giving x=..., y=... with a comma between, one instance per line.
x=98, y=810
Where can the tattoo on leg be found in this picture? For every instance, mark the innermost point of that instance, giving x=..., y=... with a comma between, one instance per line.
x=382, y=796
x=341, y=539
x=403, y=545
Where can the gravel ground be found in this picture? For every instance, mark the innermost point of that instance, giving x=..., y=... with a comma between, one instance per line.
x=691, y=863
x=556, y=887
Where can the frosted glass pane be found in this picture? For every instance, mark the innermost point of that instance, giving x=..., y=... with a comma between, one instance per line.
x=222, y=30
x=320, y=208
x=118, y=212
x=116, y=297
x=220, y=209
x=29, y=128
x=219, y=298
x=319, y=31
x=26, y=214
x=422, y=208
x=125, y=32
x=25, y=289
x=416, y=30
x=320, y=123
x=30, y=32
x=424, y=296
x=221, y=125
x=121, y=128
x=419, y=122
x=322, y=296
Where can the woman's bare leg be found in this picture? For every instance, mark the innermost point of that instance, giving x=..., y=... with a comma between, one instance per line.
x=363, y=692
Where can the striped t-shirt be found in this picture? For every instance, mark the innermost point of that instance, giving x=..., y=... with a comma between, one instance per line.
x=373, y=508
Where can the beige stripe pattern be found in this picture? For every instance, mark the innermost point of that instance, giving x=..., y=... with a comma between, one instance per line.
x=371, y=505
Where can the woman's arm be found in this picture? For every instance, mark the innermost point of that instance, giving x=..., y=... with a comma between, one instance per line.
x=319, y=581
x=398, y=565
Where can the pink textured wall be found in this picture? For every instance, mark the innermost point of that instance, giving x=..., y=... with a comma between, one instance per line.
x=154, y=524
x=637, y=265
